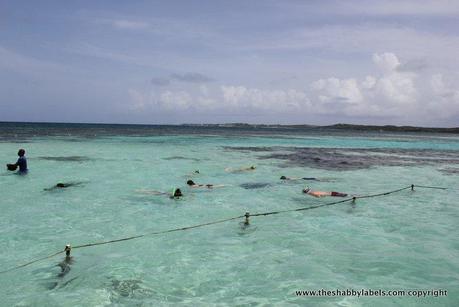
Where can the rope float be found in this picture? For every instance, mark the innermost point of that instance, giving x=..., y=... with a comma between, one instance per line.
x=246, y=222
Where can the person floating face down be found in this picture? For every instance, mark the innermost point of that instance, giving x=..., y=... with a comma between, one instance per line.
x=176, y=193
x=21, y=163
x=298, y=178
x=322, y=193
x=242, y=169
x=62, y=185
x=192, y=184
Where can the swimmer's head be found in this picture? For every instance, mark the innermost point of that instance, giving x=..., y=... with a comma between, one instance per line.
x=60, y=185
x=177, y=193
x=21, y=152
x=190, y=182
x=283, y=178
x=252, y=167
x=306, y=190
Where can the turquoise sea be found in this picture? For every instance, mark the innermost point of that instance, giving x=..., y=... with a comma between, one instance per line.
x=402, y=241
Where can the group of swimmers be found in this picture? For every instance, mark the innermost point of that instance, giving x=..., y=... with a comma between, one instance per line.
x=177, y=192
x=21, y=163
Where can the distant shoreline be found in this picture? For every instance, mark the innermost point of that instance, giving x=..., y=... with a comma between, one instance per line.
x=335, y=127
x=383, y=128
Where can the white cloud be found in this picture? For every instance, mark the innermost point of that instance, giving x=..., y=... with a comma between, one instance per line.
x=396, y=88
x=169, y=100
x=225, y=98
x=369, y=82
x=387, y=62
x=444, y=102
x=444, y=88
x=233, y=94
x=334, y=89
x=389, y=93
x=174, y=100
x=270, y=100
x=393, y=87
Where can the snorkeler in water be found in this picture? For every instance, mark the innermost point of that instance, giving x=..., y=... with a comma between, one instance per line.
x=192, y=184
x=176, y=193
x=62, y=185
x=298, y=178
x=322, y=193
x=285, y=178
x=240, y=170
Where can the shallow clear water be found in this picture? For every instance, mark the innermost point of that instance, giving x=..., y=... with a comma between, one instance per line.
x=401, y=241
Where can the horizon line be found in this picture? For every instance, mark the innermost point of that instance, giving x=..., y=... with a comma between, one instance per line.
x=226, y=123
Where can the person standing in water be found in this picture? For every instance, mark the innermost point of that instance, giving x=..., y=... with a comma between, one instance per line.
x=21, y=163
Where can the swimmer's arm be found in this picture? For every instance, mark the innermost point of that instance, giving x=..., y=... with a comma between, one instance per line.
x=196, y=186
x=205, y=186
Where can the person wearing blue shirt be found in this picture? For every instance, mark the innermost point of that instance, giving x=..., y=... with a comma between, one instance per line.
x=21, y=163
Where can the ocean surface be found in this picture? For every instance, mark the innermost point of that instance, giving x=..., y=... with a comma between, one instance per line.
x=402, y=241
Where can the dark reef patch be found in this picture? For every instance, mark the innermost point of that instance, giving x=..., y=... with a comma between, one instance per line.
x=253, y=148
x=450, y=170
x=342, y=159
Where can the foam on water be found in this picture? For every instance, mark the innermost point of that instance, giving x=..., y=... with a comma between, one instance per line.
x=402, y=241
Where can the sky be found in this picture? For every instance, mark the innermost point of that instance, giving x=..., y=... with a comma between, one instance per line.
x=274, y=62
